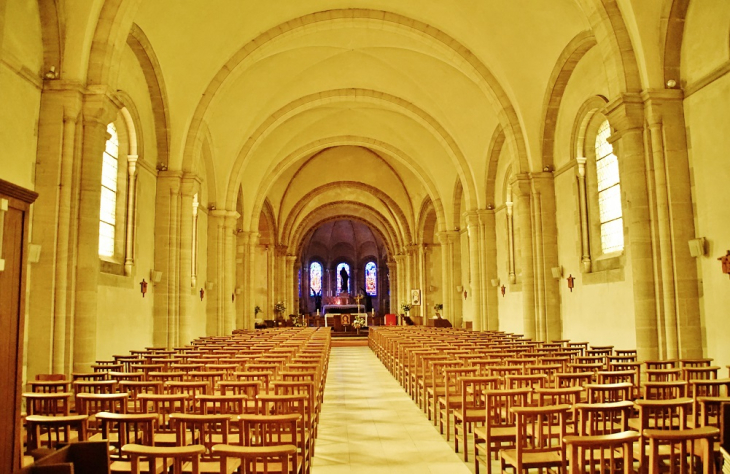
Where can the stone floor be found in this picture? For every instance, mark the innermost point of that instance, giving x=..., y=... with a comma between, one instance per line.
x=370, y=425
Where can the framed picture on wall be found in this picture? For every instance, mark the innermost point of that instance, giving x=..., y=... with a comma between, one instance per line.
x=415, y=297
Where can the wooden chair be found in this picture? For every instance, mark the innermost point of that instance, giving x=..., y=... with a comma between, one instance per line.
x=168, y=457
x=686, y=451
x=205, y=431
x=500, y=427
x=658, y=415
x=257, y=459
x=609, y=392
x=593, y=419
x=47, y=403
x=451, y=397
x=539, y=439
x=271, y=431
x=163, y=405
x=46, y=431
x=665, y=390
x=601, y=453
x=92, y=403
x=471, y=409
x=292, y=405
x=128, y=428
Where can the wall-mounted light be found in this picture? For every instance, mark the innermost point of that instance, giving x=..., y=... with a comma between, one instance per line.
x=143, y=287
x=503, y=289
x=725, y=260
x=495, y=282
x=557, y=272
x=571, y=282
x=155, y=276
x=697, y=247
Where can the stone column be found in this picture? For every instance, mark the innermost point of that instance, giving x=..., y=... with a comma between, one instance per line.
x=585, y=243
x=131, y=218
x=490, y=301
x=546, y=245
x=188, y=188
x=509, y=204
x=626, y=116
x=291, y=283
x=229, y=272
x=447, y=238
x=216, y=272
x=167, y=223
x=475, y=270
x=521, y=191
x=669, y=167
x=251, y=244
x=71, y=111
x=98, y=111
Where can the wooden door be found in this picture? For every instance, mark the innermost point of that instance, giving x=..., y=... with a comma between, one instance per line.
x=12, y=309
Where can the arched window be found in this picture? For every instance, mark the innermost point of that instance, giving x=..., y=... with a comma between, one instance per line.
x=315, y=279
x=609, y=192
x=371, y=278
x=108, y=217
x=339, y=277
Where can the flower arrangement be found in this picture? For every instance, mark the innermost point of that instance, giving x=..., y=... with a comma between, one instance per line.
x=359, y=322
x=438, y=307
x=256, y=310
x=298, y=321
x=279, y=307
x=405, y=307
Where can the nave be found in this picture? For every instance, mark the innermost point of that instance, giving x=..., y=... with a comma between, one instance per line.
x=368, y=424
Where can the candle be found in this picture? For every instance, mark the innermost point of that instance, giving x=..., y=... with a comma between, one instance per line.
x=317, y=311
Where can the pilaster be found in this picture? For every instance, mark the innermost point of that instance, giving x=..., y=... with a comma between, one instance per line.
x=475, y=270
x=447, y=239
x=521, y=190
x=490, y=302
x=229, y=271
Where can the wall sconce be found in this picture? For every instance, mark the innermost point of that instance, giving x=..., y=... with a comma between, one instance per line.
x=725, y=259
x=697, y=247
x=202, y=294
x=209, y=285
x=557, y=272
x=459, y=288
x=143, y=287
x=503, y=289
x=34, y=253
x=571, y=282
x=155, y=277
x=495, y=282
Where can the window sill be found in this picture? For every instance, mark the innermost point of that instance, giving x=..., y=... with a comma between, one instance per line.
x=113, y=268
x=608, y=268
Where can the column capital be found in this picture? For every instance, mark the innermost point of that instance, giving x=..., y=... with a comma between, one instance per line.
x=625, y=113
x=99, y=108
x=448, y=236
x=521, y=185
x=281, y=250
x=472, y=219
x=655, y=102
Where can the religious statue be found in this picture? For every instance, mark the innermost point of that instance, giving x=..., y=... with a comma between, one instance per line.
x=344, y=276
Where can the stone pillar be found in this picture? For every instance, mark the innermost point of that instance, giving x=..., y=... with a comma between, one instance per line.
x=131, y=217
x=521, y=191
x=546, y=256
x=475, y=270
x=509, y=204
x=188, y=189
x=490, y=301
x=251, y=242
x=216, y=272
x=585, y=243
x=98, y=111
x=626, y=116
x=291, y=283
x=167, y=231
x=229, y=272
x=677, y=269
x=243, y=320
x=71, y=110
x=447, y=239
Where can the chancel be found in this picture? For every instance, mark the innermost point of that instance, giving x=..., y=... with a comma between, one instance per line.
x=541, y=173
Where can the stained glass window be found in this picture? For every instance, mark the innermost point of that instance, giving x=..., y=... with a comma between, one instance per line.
x=108, y=210
x=609, y=192
x=339, y=277
x=371, y=274
x=315, y=278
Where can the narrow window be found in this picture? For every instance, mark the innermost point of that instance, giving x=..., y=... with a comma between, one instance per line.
x=339, y=277
x=315, y=279
x=108, y=218
x=609, y=193
x=371, y=275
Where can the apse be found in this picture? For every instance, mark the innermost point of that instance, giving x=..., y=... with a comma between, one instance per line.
x=343, y=257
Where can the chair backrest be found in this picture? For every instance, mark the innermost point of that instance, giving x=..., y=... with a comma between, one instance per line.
x=594, y=419
x=540, y=430
x=170, y=456
x=53, y=403
x=92, y=403
x=284, y=457
x=499, y=403
x=205, y=430
x=163, y=405
x=665, y=390
x=609, y=392
x=601, y=453
x=682, y=448
x=558, y=396
x=137, y=427
x=472, y=390
x=221, y=404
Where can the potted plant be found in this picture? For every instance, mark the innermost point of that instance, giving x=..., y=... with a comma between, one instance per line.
x=406, y=308
x=359, y=322
x=438, y=307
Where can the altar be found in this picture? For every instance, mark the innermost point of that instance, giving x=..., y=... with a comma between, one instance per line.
x=332, y=310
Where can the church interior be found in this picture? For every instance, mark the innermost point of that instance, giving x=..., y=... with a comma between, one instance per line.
x=178, y=170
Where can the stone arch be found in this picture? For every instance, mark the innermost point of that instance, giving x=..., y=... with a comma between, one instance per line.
x=489, y=84
x=426, y=209
x=312, y=221
x=613, y=38
x=564, y=67
x=52, y=29
x=399, y=215
x=458, y=192
x=320, y=144
x=135, y=132
x=142, y=49
x=582, y=118
x=110, y=35
x=673, y=39
x=314, y=100
x=495, y=149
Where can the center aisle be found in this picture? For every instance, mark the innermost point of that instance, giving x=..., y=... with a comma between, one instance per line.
x=369, y=424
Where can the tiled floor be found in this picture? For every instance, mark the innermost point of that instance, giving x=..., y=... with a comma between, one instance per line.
x=370, y=425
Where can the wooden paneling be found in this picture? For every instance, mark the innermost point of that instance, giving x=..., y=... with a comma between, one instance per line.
x=12, y=310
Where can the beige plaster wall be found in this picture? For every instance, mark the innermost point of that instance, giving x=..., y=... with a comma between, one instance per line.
x=125, y=317
x=510, y=305
x=707, y=113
